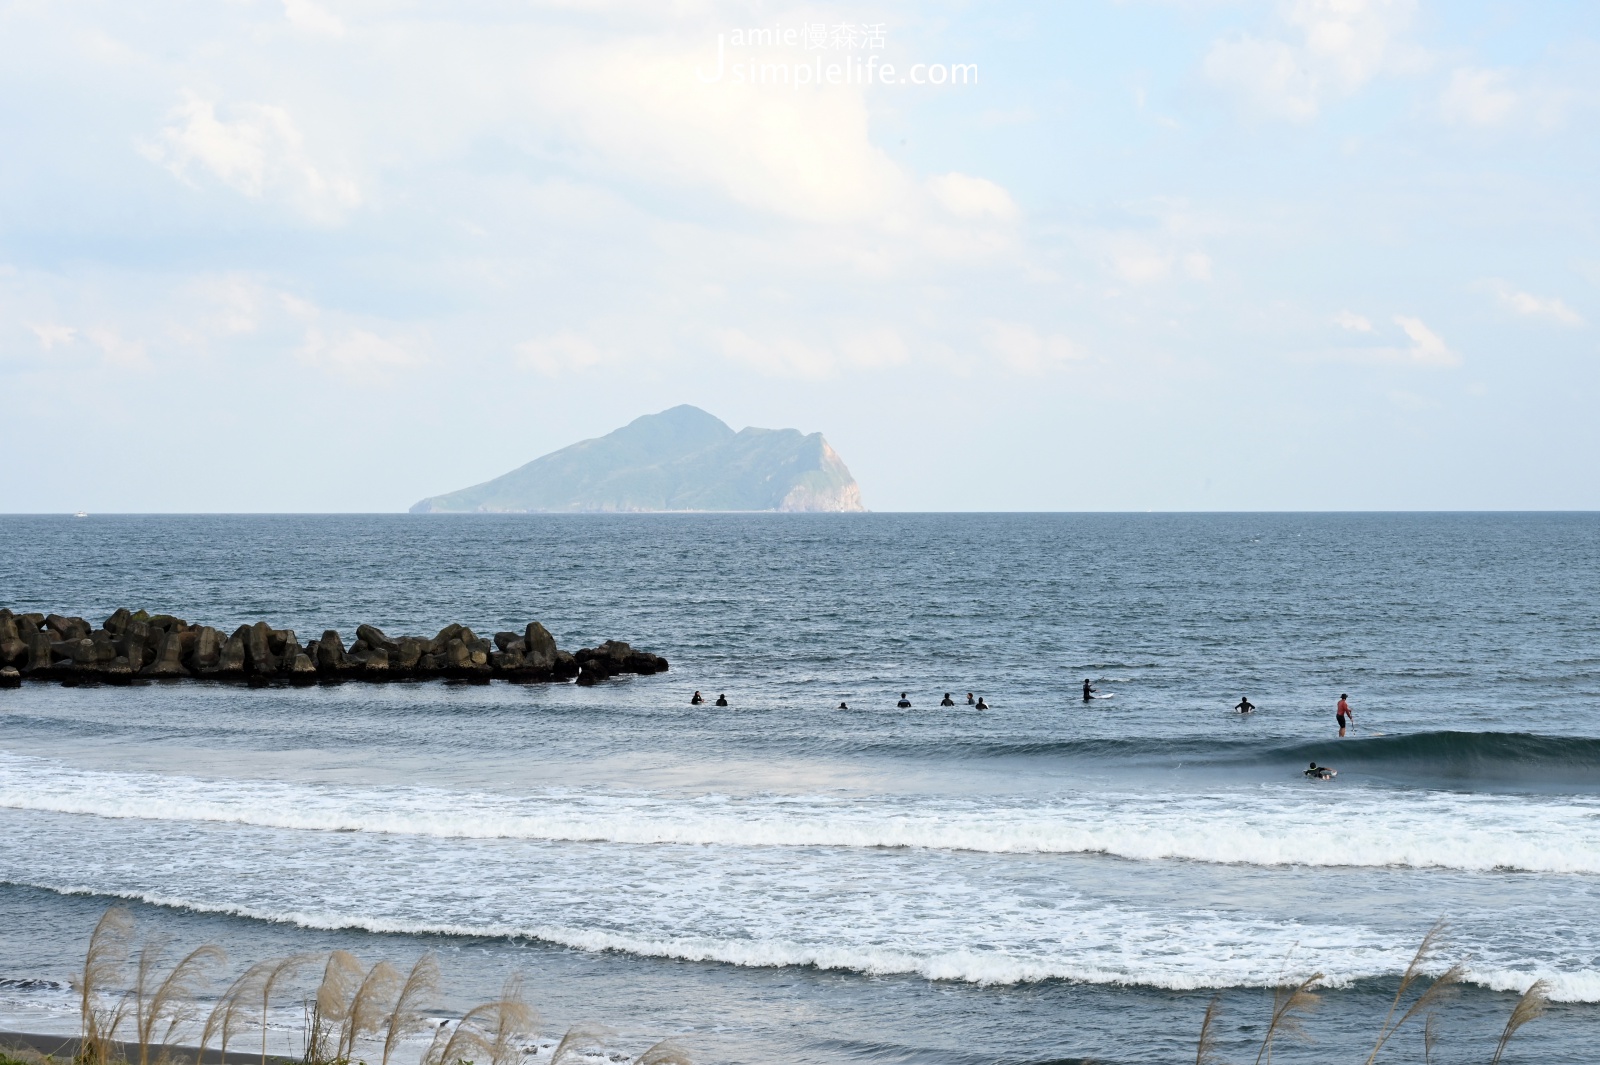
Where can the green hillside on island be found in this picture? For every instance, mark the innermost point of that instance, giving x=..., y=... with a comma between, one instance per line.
x=680, y=459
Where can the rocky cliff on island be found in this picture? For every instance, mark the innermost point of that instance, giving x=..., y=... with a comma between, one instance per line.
x=682, y=459
x=132, y=646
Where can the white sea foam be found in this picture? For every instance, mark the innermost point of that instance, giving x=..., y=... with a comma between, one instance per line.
x=1263, y=826
x=1209, y=954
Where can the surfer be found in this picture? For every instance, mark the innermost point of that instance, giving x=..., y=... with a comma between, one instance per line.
x=904, y=703
x=1320, y=772
x=1344, y=713
x=947, y=701
x=697, y=700
x=981, y=704
x=1088, y=690
x=844, y=706
x=1245, y=705
x=969, y=698
x=722, y=700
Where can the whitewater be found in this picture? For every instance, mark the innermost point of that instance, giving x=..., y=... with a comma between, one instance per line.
x=782, y=880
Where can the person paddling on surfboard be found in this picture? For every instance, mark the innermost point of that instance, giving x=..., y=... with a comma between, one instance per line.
x=1088, y=690
x=1320, y=772
x=1344, y=714
x=1245, y=705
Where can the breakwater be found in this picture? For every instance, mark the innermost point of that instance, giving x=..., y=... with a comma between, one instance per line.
x=135, y=645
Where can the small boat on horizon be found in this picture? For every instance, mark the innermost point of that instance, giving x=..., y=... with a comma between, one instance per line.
x=81, y=514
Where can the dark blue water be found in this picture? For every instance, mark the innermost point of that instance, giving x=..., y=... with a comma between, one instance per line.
x=782, y=880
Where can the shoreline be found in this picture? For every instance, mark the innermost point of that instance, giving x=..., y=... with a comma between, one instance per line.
x=25, y=1046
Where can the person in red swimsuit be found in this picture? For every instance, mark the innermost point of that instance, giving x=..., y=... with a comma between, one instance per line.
x=1345, y=714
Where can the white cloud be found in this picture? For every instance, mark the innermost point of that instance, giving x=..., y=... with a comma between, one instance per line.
x=1427, y=347
x=972, y=197
x=562, y=353
x=312, y=18
x=354, y=351
x=1197, y=265
x=805, y=155
x=1424, y=348
x=1477, y=97
x=1139, y=262
x=1142, y=261
x=1341, y=46
x=117, y=349
x=789, y=357
x=51, y=336
x=779, y=357
x=1552, y=308
x=259, y=152
x=1025, y=350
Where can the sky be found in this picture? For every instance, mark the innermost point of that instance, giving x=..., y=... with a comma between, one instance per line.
x=340, y=255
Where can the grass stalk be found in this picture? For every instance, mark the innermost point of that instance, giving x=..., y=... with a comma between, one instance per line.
x=102, y=965
x=1425, y=1002
x=1289, y=1004
x=404, y=1019
x=1529, y=1007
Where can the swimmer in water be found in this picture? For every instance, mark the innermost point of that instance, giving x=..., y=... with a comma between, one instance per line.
x=697, y=700
x=981, y=704
x=1319, y=772
x=1088, y=690
x=1245, y=705
x=904, y=703
x=722, y=700
x=947, y=701
x=844, y=706
x=969, y=698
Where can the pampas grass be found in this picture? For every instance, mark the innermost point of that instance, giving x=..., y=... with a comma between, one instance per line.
x=1530, y=1007
x=367, y=1008
x=1291, y=1002
x=171, y=1000
x=102, y=966
x=1424, y=1003
x=350, y=1002
x=404, y=1019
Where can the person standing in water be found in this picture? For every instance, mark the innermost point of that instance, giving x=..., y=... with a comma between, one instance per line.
x=969, y=698
x=722, y=700
x=1088, y=690
x=1245, y=705
x=904, y=703
x=1344, y=713
x=947, y=701
x=697, y=700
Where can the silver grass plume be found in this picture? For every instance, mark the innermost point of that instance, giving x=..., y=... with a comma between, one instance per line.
x=102, y=965
x=404, y=1019
x=272, y=973
x=1424, y=1002
x=1288, y=1005
x=172, y=1000
x=340, y=977
x=579, y=1038
x=1529, y=1007
x=368, y=1007
x=665, y=1052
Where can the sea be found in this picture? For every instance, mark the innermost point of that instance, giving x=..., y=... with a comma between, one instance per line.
x=1049, y=880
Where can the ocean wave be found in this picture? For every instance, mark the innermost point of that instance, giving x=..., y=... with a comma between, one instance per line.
x=1114, y=965
x=1262, y=826
x=1490, y=756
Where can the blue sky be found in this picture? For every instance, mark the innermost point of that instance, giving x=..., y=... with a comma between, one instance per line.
x=322, y=255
